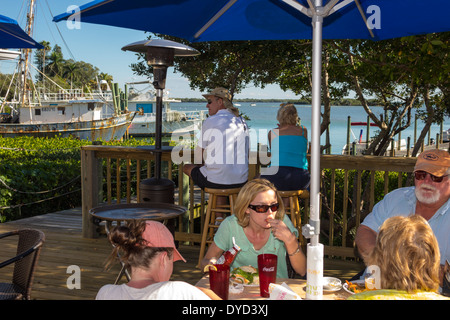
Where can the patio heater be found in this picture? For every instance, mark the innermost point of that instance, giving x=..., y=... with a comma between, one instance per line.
x=160, y=54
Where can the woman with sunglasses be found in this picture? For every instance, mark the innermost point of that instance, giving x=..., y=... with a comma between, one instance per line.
x=259, y=225
x=429, y=198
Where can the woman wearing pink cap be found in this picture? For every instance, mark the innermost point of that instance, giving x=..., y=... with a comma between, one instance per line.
x=148, y=249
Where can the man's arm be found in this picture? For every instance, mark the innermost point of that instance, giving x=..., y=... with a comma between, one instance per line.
x=365, y=240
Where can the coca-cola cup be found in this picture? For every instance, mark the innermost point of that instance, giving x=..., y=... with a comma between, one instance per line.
x=267, y=268
x=219, y=280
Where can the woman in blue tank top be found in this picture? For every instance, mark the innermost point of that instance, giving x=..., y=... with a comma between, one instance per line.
x=288, y=145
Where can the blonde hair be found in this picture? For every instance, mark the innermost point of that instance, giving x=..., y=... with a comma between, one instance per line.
x=287, y=114
x=407, y=254
x=249, y=192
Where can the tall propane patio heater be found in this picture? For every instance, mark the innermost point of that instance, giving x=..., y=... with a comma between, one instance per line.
x=160, y=54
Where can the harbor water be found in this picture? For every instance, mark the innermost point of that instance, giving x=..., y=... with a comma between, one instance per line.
x=263, y=118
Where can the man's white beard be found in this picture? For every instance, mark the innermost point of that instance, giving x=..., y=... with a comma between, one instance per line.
x=423, y=195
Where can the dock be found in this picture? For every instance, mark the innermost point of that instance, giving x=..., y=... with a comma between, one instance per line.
x=66, y=250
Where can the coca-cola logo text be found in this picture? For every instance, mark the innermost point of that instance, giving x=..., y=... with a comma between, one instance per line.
x=268, y=269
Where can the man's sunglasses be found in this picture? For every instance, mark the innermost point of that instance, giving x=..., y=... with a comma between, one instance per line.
x=420, y=175
x=263, y=208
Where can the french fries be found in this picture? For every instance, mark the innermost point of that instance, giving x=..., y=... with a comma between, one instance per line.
x=355, y=288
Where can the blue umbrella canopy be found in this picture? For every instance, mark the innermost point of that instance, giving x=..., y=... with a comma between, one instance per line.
x=12, y=36
x=206, y=20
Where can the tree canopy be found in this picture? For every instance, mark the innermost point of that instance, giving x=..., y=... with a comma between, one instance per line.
x=399, y=74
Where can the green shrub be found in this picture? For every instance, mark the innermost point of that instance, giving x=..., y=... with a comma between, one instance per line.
x=41, y=175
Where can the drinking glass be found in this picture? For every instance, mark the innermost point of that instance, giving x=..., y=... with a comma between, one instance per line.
x=267, y=268
x=219, y=280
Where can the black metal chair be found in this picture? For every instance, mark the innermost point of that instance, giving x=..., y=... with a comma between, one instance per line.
x=29, y=245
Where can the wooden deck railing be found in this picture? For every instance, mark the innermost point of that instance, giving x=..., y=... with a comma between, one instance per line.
x=350, y=188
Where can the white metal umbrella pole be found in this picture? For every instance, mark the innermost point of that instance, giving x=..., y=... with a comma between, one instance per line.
x=314, y=286
x=311, y=230
x=315, y=124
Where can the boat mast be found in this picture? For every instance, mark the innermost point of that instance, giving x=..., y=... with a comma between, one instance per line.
x=26, y=52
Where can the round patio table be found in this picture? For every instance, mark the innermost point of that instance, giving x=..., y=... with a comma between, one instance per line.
x=157, y=211
x=126, y=212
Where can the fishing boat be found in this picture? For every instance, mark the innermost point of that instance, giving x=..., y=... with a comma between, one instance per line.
x=67, y=113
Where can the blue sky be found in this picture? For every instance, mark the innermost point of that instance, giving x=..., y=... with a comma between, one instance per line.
x=101, y=46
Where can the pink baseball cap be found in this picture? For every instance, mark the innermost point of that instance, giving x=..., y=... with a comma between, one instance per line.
x=157, y=235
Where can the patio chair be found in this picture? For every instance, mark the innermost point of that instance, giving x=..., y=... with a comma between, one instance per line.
x=29, y=245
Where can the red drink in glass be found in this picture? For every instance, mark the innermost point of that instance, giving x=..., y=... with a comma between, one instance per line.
x=219, y=280
x=267, y=268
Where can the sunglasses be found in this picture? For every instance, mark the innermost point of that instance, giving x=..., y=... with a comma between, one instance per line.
x=420, y=175
x=263, y=208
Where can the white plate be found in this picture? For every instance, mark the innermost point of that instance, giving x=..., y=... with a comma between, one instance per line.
x=246, y=285
x=359, y=282
x=331, y=284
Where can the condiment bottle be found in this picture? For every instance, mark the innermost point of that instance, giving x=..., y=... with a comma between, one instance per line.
x=228, y=256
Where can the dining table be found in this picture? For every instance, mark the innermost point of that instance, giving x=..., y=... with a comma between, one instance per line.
x=251, y=292
x=126, y=212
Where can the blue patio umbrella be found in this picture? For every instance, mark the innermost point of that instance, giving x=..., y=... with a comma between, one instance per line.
x=12, y=36
x=220, y=20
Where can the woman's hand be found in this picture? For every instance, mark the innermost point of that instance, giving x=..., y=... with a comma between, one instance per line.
x=281, y=231
x=296, y=256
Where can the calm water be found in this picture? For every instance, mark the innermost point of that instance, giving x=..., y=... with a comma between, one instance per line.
x=263, y=116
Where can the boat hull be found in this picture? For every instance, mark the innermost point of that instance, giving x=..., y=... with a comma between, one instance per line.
x=141, y=128
x=105, y=129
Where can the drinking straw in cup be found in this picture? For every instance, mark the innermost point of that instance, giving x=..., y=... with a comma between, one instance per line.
x=219, y=280
x=267, y=268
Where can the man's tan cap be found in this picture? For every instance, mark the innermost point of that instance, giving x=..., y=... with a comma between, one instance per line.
x=220, y=93
x=435, y=162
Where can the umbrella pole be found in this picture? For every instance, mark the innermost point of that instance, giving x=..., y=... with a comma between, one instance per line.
x=317, y=22
x=314, y=264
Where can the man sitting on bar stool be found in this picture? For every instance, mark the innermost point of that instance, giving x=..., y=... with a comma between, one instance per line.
x=223, y=147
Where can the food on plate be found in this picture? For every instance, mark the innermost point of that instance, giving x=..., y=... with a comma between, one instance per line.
x=246, y=275
x=355, y=287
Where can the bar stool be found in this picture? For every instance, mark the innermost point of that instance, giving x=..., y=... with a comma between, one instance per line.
x=210, y=227
x=293, y=209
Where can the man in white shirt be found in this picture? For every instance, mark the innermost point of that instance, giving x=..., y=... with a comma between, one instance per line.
x=221, y=157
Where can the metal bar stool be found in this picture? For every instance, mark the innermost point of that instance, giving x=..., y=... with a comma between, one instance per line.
x=293, y=209
x=210, y=227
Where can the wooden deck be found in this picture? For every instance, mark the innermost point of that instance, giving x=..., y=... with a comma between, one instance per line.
x=64, y=247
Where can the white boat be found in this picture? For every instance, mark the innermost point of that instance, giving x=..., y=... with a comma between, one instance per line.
x=66, y=113
x=446, y=135
x=173, y=121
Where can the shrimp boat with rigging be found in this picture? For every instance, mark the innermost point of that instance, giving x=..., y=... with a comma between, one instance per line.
x=67, y=113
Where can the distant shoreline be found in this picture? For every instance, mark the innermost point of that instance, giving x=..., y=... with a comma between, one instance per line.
x=340, y=102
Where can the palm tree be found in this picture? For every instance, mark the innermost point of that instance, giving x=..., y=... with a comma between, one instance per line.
x=71, y=71
x=56, y=63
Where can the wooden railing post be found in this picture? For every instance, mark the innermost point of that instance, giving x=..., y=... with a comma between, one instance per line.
x=90, y=169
